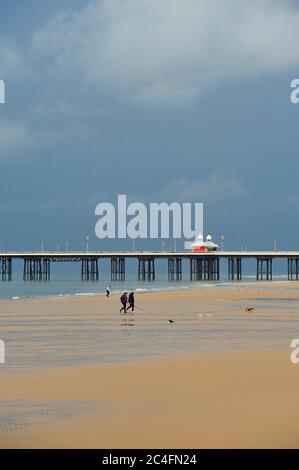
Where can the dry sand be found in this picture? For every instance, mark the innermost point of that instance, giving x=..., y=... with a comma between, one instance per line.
x=243, y=398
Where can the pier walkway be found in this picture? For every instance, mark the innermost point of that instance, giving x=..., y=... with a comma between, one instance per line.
x=202, y=266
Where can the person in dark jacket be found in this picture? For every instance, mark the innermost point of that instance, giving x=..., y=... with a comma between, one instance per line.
x=124, y=300
x=131, y=301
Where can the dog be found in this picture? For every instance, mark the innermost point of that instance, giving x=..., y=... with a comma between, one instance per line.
x=249, y=309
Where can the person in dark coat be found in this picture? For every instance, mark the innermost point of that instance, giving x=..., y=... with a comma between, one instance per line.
x=131, y=301
x=124, y=300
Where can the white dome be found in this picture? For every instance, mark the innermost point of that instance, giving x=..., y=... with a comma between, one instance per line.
x=209, y=238
x=200, y=237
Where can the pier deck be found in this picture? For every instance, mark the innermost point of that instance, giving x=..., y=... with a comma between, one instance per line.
x=203, y=266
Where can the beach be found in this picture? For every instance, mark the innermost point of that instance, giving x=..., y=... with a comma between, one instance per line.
x=80, y=374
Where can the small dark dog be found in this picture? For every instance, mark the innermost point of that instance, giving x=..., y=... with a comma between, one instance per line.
x=249, y=309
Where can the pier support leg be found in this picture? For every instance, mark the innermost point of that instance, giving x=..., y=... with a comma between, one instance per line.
x=212, y=270
x=204, y=268
x=6, y=269
x=146, y=269
x=33, y=269
x=118, y=269
x=264, y=269
x=234, y=269
x=196, y=269
x=89, y=269
x=36, y=269
x=46, y=272
x=174, y=269
x=26, y=270
x=293, y=269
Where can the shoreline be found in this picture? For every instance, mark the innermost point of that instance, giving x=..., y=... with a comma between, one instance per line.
x=205, y=285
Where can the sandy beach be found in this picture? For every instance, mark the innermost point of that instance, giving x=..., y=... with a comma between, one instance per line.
x=148, y=148
x=217, y=377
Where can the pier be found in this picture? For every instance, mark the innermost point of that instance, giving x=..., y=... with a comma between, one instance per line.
x=202, y=266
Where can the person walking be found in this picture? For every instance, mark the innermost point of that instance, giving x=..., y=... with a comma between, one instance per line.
x=131, y=301
x=108, y=291
x=124, y=300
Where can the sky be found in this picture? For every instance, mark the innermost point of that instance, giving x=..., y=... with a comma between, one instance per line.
x=162, y=100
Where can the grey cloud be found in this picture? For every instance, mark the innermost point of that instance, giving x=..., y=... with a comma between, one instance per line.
x=160, y=51
x=11, y=60
x=29, y=206
x=216, y=189
x=17, y=138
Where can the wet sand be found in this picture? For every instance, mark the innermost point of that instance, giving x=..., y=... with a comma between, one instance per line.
x=233, y=392
x=244, y=399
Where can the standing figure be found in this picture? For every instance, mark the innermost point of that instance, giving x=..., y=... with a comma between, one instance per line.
x=108, y=291
x=131, y=301
x=124, y=300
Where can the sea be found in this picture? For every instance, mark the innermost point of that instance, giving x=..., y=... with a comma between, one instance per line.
x=66, y=281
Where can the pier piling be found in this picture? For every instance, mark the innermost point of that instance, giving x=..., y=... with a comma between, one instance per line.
x=36, y=269
x=146, y=269
x=89, y=269
x=46, y=269
x=6, y=269
x=234, y=269
x=32, y=269
x=118, y=269
x=293, y=268
x=204, y=268
x=174, y=269
x=264, y=268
